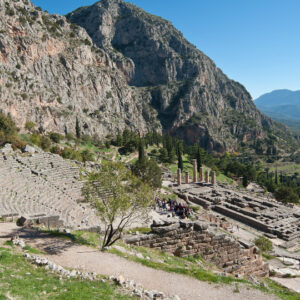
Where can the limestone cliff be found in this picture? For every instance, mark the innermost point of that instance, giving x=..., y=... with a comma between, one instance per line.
x=193, y=98
x=121, y=67
x=50, y=73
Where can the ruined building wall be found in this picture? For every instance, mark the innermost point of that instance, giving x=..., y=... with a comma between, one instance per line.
x=187, y=238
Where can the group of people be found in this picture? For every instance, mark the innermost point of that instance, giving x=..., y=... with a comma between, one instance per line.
x=172, y=206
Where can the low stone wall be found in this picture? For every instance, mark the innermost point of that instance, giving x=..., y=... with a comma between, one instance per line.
x=186, y=238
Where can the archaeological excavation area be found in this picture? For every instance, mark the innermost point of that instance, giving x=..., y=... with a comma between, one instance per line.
x=267, y=215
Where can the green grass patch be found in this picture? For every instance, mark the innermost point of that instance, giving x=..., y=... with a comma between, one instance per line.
x=140, y=230
x=185, y=266
x=91, y=239
x=279, y=291
x=21, y=280
x=268, y=256
x=9, y=243
x=32, y=250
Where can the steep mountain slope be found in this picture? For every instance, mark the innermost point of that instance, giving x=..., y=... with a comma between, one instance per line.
x=193, y=98
x=281, y=105
x=50, y=74
x=130, y=69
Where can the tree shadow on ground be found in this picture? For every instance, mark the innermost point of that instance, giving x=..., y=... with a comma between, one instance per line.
x=43, y=241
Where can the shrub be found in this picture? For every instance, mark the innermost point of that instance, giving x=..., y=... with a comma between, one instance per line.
x=70, y=137
x=55, y=150
x=87, y=42
x=55, y=137
x=24, y=96
x=35, y=139
x=263, y=244
x=86, y=138
x=9, y=11
x=29, y=125
x=16, y=142
x=87, y=155
x=45, y=143
x=69, y=153
x=7, y=125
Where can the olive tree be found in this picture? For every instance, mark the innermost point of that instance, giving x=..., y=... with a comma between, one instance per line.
x=118, y=197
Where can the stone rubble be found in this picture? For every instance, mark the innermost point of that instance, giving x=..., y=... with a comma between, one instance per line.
x=129, y=285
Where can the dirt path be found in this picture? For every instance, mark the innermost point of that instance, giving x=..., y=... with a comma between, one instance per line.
x=69, y=255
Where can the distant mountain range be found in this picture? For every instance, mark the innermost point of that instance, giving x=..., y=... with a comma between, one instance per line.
x=282, y=106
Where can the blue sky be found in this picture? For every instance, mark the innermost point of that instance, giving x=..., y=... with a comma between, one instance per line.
x=255, y=42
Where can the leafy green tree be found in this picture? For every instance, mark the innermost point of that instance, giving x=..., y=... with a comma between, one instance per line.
x=286, y=194
x=119, y=197
x=148, y=171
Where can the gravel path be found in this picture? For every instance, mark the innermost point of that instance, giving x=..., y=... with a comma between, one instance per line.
x=70, y=255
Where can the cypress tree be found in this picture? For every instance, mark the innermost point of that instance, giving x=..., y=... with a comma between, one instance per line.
x=199, y=159
x=141, y=151
x=179, y=158
x=276, y=177
x=77, y=128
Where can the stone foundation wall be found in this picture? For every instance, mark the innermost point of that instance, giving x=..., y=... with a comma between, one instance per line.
x=187, y=238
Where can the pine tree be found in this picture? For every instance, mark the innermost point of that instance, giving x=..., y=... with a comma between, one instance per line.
x=163, y=156
x=171, y=155
x=77, y=128
x=276, y=177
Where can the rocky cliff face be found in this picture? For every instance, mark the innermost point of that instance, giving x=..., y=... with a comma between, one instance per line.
x=50, y=73
x=121, y=67
x=193, y=98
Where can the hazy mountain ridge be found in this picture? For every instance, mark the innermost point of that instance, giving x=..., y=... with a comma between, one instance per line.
x=129, y=70
x=281, y=105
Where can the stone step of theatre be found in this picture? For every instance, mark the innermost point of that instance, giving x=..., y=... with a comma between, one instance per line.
x=43, y=184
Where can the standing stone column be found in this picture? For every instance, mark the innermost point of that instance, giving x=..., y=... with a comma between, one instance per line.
x=213, y=178
x=201, y=174
x=179, y=177
x=187, y=179
x=194, y=170
x=206, y=177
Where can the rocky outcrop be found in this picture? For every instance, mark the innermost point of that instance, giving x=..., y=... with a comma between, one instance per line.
x=186, y=238
x=50, y=73
x=121, y=68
